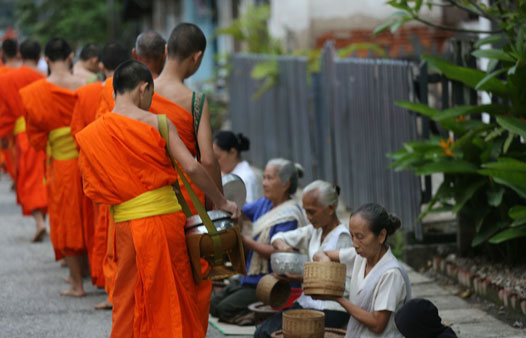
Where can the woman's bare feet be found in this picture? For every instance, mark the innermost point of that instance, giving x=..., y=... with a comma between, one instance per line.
x=73, y=293
x=105, y=305
x=68, y=280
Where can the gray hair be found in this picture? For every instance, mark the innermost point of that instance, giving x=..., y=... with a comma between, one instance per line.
x=327, y=192
x=287, y=172
x=150, y=45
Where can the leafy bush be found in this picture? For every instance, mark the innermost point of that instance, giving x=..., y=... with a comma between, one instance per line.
x=484, y=164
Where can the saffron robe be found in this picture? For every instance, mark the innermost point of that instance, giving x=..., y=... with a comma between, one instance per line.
x=154, y=293
x=94, y=220
x=184, y=123
x=49, y=107
x=29, y=179
x=8, y=154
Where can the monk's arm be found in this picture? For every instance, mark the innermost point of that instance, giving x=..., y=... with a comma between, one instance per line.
x=204, y=140
x=375, y=321
x=197, y=174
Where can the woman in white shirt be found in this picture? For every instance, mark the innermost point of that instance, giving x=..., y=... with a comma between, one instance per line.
x=379, y=283
x=227, y=147
x=325, y=232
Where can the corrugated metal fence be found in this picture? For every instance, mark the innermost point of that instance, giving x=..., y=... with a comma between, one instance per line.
x=339, y=124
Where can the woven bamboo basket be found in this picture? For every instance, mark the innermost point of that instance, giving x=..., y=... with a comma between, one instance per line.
x=324, y=279
x=273, y=291
x=303, y=324
x=329, y=333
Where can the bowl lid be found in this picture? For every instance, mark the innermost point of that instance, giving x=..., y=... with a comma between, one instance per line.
x=214, y=215
x=234, y=189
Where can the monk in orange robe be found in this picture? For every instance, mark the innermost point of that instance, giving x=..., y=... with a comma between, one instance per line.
x=12, y=61
x=186, y=47
x=87, y=66
x=49, y=105
x=124, y=163
x=150, y=49
x=30, y=189
x=88, y=101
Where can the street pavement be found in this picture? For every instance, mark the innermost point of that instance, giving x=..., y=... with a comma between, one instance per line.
x=31, y=280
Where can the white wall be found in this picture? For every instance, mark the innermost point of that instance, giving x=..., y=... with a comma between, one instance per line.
x=307, y=19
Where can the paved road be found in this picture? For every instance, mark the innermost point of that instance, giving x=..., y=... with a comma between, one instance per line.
x=30, y=282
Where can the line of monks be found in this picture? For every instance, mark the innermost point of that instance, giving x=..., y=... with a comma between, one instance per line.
x=75, y=158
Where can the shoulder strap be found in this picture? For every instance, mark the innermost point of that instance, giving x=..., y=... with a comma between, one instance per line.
x=163, y=129
x=198, y=103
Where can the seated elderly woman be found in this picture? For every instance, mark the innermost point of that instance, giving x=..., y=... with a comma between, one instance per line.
x=379, y=283
x=275, y=212
x=325, y=232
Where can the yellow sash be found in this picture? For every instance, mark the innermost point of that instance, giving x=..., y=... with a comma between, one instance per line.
x=61, y=145
x=20, y=125
x=156, y=202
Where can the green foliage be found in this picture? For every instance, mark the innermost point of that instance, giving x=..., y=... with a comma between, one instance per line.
x=79, y=22
x=484, y=164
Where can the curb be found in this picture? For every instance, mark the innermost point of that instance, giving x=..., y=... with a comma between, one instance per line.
x=483, y=287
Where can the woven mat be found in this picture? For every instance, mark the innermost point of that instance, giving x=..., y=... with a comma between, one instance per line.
x=231, y=330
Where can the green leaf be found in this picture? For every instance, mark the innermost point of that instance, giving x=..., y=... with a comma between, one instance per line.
x=489, y=77
x=441, y=192
x=518, y=189
x=494, y=134
x=465, y=195
x=492, y=39
x=507, y=143
x=484, y=232
x=513, y=125
x=518, y=211
x=383, y=27
x=508, y=234
x=518, y=222
x=506, y=164
x=449, y=166
x=467, y=76
x=492, y=64
x=495, y=195
x=497, y=54
x=418, y=107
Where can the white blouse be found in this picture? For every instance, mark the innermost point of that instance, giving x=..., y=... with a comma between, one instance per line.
x=389, y=294
x=308, y=240
x=252, y=184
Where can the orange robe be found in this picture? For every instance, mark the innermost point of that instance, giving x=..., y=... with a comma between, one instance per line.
x=49, y=107
x=109, y=266
x=95, y=229
x=30, y=189
x=184, y=123
x=8, y=153
x=154, y=293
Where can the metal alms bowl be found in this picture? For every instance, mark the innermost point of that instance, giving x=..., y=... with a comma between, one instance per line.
x=220, y=219
x=291, y=262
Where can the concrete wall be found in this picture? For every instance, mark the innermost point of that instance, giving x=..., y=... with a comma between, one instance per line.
x=299, y=22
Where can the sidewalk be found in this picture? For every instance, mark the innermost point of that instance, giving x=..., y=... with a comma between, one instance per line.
x=30, y=282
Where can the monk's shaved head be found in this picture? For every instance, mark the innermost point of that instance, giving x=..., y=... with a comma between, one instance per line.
x=89, y=51
x=129, y=75
x=185, y=40
x=113, y=54
x=57, y=49
x=30, y=50
x=150, y=46
x=10, y=48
